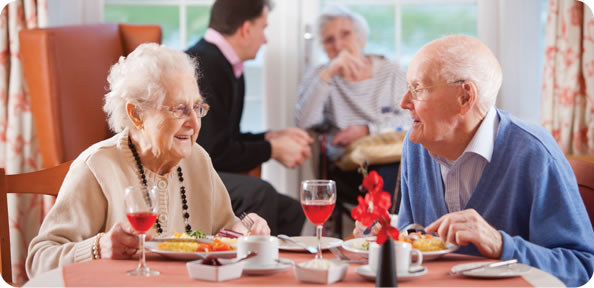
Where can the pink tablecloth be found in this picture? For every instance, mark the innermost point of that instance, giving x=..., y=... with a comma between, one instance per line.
x=174, y=273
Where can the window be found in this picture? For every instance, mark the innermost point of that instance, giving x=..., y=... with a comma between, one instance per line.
x=184, y=22
x=399, y=28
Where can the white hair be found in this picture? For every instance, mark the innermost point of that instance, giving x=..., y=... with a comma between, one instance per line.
x=142, y=78
x=360, y=25
x=466, y=58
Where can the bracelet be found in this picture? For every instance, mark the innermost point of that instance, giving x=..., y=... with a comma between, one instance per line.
x=96, y=250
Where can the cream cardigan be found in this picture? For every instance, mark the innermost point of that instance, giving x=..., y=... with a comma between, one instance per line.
x=91, y=201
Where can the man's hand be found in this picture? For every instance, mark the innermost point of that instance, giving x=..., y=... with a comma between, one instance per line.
x=350, y=134
x=467, y=226
x=360, y=228
x=298, y=134
x=289, y=151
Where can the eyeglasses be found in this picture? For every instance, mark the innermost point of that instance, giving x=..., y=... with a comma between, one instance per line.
x=415, y=91
x=182, y=110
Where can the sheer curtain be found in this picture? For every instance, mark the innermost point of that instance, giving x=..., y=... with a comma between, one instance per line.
x=568, y=79
x=19, y=150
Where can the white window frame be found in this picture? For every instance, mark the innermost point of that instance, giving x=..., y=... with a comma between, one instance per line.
x=183, y=33
x=397, y=6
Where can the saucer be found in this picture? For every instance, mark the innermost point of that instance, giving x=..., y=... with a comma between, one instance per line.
x=268, y=269
x=368, y=274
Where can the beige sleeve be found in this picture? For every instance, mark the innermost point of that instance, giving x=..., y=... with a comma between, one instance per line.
x=68, y=232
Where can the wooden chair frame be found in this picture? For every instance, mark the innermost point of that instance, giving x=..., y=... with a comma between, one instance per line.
x=43, y=182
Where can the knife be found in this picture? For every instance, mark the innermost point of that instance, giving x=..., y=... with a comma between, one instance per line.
x=186, y=240
x=309, y=248
x=485, y=266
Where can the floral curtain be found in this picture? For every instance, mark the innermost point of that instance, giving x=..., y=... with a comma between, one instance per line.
x=568, y=79
x=19, y=150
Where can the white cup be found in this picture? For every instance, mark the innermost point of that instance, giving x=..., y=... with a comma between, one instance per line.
x=265, y=246
x=403, y=253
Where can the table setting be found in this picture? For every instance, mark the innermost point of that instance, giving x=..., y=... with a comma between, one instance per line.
x=255, y=260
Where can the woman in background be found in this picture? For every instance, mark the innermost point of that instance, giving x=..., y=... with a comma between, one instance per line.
x=352, y=96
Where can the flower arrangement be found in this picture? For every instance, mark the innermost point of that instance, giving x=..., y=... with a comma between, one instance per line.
x=374, y=206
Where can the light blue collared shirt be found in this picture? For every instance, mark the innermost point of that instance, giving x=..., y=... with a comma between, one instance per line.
x=461, y=177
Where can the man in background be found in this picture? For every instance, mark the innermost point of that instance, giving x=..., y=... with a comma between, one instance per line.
x=235, y=34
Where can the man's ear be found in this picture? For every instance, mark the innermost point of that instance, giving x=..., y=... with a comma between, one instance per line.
x=244, y=29
x=468, y=97
x=134, y=115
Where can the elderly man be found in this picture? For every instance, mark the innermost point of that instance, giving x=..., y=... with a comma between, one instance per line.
x=482, y=179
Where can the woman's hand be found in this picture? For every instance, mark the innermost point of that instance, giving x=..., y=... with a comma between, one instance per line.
x=120, y=242
x=465, y=227
x=260, y=226
x=348, y=135
x=346, y=64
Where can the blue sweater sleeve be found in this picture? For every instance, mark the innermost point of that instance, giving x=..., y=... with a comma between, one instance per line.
x=405, y=211
x=560, y=241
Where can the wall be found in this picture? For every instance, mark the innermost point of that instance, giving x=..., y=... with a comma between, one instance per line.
x=513, y=31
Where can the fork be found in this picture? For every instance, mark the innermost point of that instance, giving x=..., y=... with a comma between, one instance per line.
x=344, y=258
x=246, y=221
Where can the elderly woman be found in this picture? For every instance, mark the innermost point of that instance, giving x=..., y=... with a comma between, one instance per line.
x=155, y=107
x=353, y=96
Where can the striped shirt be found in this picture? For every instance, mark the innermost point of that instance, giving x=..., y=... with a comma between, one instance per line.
x=374, y=102
x=461, y=176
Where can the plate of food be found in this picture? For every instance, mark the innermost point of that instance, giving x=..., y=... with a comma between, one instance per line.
x=358, y=245
x=431, y=247
x=186, y=247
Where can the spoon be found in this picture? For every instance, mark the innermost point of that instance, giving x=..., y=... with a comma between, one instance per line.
x=216, y=261
x=307, y=247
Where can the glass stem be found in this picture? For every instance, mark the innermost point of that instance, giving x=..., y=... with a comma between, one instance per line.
x=142, y=264
x=319, y=235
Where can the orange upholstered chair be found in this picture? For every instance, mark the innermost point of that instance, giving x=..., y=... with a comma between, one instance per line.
x=66, y=71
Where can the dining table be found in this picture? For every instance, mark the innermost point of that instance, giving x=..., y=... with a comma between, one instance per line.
x=107, y=272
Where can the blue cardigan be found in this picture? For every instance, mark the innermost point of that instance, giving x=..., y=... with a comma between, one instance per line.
x=528, y=192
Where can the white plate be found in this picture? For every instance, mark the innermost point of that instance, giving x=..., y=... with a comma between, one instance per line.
x=356, y=246
x=327, y=242
x=267, y=269
x=152, y=246
x=427, y=256
x=368, y=274
x=513, y=270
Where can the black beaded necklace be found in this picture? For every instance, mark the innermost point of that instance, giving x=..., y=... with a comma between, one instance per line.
x=182, y=188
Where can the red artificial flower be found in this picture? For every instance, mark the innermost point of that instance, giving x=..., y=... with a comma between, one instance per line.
x=387, y=230
x=361, y=212
x=373, y=182
x=374, y=208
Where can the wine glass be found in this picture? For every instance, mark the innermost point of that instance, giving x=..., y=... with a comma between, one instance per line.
x=141, y=210
x=318, y=198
